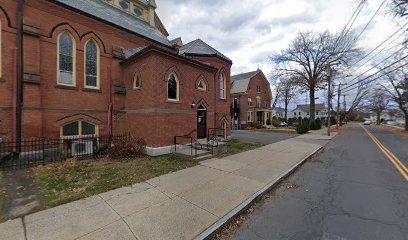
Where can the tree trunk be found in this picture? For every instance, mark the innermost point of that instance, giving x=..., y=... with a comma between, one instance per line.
x=286, y=111
x=378, y=118
x=406, y=121
x=312, y=104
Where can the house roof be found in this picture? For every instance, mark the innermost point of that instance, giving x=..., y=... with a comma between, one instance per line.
x=107, y=13
x=242, y=76
x=240, y=82
x=199, y=47
x=306, y=107
x=279, y=109
x=131, y=54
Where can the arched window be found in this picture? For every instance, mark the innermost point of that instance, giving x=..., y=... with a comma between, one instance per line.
x=224, y=129
x=222, y=87
x=92, y=63
x=258, y=102
x=173, y=88
x=66, y=59
x=137, y=82
x=201, y=85
x=78, y=129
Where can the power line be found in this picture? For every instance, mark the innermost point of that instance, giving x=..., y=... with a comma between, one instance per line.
x=356, y=14
x=372, y=80
x=372, y=18
x=402, y=48
x=377, y=47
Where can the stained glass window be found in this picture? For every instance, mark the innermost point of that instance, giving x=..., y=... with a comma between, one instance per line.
x=172, y=88
x=202, y=85
x=91, y=65
x=66, y=59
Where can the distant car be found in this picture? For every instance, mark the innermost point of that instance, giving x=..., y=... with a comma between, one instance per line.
x=367, y=122
x=283, y=124
x=295, y=124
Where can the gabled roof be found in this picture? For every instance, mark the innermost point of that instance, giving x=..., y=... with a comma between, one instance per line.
x=242, y=76
x=306, y=107
x=105, y=12
x=199, y=47
x=240, y=82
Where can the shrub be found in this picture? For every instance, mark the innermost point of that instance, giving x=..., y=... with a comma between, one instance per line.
x=268, y=122
x=303, y=127
x=319, y=123
x=256, y=125
x=276, y=122
x=126, y=148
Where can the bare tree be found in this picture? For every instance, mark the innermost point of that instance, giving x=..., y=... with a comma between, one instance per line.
x=377, y=102
x=400, y=7
x=397, y=89
x=309, y=58
x=289, y=92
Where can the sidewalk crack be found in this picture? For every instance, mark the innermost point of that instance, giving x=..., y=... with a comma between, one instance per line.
x=24, y=227
x=130, y=229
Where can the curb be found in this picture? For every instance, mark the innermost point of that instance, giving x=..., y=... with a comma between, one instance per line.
x=213, y=229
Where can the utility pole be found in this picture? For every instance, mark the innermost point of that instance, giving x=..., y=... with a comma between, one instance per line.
x=338, y=104
x=345, y=103
x=329, y=104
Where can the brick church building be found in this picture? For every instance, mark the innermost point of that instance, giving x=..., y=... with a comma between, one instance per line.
x=106, y=66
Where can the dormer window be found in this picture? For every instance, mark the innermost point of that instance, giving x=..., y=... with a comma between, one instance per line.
x=128, y=6
x=124, y=4
x=138, y=11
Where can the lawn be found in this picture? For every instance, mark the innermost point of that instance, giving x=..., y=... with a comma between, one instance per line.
x=66, y=182
x=278, y=130
x=238, y=146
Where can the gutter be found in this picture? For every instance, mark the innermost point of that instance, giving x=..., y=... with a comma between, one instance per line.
x=20, y=74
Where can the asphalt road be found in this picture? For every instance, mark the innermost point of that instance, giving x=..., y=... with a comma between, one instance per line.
x=261, y=137
x=350, y=191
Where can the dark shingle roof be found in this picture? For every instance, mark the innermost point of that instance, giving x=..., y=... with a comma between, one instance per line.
x=199, y=47
x=240, y=82
x=244, y=75
x=105, y=12
x=306, y=107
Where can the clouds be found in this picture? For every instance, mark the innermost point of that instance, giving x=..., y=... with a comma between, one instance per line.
x=248, y=32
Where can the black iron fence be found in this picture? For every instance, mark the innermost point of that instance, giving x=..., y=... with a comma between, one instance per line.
x=39, y=151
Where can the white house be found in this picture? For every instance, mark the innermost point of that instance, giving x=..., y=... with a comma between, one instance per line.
x=389, y=116
x=303, y=111
x=278, y=112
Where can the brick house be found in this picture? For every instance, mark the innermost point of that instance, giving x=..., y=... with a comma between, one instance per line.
x=107, y=66
x=251, y=98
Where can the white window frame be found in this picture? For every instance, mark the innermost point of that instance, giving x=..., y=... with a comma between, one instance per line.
x=73, y=60
x=79, y=130
x=250, y=116
x=223, y=87
x=258, y=89
x=249, y=102
x=137, y=76
x=98, y=64
x=204, y=88
x=177, y=88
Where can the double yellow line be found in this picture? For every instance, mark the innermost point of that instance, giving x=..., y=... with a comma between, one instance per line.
x=402, y=169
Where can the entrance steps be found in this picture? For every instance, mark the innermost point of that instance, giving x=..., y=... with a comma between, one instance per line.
x=195, y=153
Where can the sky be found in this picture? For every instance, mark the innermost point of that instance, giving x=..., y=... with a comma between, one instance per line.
x=249, y=32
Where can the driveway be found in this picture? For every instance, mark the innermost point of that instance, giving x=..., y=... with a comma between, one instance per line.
x=261, y=137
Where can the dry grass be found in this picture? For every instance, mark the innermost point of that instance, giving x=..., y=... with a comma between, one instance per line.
x=2, y=200
x=73, y=180
x=398, y=131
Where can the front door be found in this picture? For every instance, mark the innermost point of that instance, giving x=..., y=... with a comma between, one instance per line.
x=201, y=123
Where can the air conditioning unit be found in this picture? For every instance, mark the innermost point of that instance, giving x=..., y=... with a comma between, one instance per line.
x=82, y=148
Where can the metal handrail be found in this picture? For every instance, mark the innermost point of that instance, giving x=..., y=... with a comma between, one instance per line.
x=192, y=141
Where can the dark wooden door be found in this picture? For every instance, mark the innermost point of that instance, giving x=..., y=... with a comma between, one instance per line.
x=201, y=124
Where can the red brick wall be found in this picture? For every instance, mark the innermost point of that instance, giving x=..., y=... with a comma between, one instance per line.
x=265, y=94
x=144, y=112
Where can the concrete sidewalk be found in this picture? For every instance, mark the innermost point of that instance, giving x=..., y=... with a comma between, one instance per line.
x=188, y=204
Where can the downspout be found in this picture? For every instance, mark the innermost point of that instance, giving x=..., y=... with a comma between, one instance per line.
x=110, y=109
x=20, y=73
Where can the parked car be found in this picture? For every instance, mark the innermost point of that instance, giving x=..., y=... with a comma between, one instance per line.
x=283, y=124
x=368, y=122
x=295, y=124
